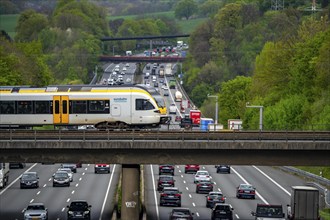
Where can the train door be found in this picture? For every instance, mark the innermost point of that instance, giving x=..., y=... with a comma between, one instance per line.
x=61, y=109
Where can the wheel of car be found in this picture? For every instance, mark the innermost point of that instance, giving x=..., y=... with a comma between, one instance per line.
x=68, y=184
x=253, y=197
x=179, y=205
x=160, y=204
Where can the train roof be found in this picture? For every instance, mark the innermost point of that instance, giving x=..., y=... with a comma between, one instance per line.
x=67, y=88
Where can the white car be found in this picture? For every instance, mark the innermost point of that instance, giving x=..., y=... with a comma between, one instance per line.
x=69, y=171
x=202, y=175
x=164, y=87
x=124, y=68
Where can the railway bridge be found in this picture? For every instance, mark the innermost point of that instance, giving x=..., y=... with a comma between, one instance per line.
x=131, y=148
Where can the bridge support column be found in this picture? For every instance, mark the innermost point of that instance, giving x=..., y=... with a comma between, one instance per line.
x=130, y=203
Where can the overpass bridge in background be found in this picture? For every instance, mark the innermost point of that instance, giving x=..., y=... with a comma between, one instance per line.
x=140, y=59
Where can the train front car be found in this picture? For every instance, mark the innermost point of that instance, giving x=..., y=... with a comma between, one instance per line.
x=102, y=106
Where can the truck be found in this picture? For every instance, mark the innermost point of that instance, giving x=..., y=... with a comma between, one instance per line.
x=172, y=84
x=186, y=122
x=195, y=116
x=161, y=73
x=268, y=212
x=178, y=96
x=184, y=105
x=128, y=53
x=304, y=203
x=4, y=174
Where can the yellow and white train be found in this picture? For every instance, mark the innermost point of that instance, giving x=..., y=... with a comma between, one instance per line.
x=102, y=106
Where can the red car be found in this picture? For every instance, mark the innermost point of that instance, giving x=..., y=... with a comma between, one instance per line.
x=191, y=168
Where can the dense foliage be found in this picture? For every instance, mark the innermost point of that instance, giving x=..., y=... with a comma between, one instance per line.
x=276, y=59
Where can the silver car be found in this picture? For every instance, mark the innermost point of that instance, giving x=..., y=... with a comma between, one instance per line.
x=69, y=171
x=35, y=211
x=202, y=175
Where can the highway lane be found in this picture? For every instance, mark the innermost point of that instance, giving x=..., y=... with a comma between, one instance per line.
x=272, y=186
x=86, y=185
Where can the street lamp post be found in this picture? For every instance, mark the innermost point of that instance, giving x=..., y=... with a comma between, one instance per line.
x=216, y=107
x=260, y=113
x=113, y=50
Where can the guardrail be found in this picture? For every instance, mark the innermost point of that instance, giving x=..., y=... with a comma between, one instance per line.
x=158, y=135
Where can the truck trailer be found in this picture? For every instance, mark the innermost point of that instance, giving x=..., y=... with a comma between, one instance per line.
x=304, y=203
x=4, y=174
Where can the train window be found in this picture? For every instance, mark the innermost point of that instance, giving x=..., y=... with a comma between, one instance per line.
x=7, y=107
x=42, y=107
x=24, y=107
x=57, y=107
x=98, y=106
x=143, y=104
x=65, y=107
x=79, y=107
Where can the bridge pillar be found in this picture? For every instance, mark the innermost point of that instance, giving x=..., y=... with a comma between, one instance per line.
x=130, y=203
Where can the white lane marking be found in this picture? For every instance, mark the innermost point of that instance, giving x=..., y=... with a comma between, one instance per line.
x=86, y=168
x=180, y=171
x=63, y=209
x=190, y=196
x=203, y=168
x=68, y=200
x=38, y=192
x=237, y=216
x=272, y=180
x=214, y=183
x=181, y=176
x=154, y=188
x=80, y=179
x=107, y=193
x=262, y=198
x=193, y=204
x=177, y=166
x=184, y=181
x=197, y=214
x=50, y=179
x=31, y=200
x=187, y=188
x=45, y=185
x=72, y=192
x=219, y=189
x=77, y=184
x=83, y=173
x=5, y=189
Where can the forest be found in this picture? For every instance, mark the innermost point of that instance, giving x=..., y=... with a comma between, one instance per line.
x=243, y=52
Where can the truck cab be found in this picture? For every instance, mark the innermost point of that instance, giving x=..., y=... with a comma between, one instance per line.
x=4, y=174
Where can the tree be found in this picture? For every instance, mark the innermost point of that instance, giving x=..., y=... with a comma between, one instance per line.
x=185, y=8
x=209, y=8
x=30, y=24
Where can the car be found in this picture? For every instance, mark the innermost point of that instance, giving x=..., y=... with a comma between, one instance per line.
x=16, y=165
x=223, y=169
x=35, y=211
x=165, y=93
x=165, y=181
x=172, y=109
x=127, y=64
x=122, y=73
x=79, y=209
x=181, y=214
x=164, y=87
x=69, y=171
x=204, y=186
x=61, y=178
x=202, y=175
x=166, y=169
x=268, y=211
x=124, y=68
x=161, y=81
x=245, y=191
x=29, y=180
x=191, y=168
x=178, y=118
x=102, y=168
x=155, y=84
x=222, y=211
x=72, y=166
x=214, y=197
x=170, y=196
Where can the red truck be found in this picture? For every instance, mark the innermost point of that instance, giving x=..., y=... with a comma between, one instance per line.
x=195, y=116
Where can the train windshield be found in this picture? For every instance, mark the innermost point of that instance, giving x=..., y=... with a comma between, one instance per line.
x=160, y=101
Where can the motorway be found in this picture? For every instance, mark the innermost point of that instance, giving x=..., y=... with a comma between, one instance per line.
x=272, y=185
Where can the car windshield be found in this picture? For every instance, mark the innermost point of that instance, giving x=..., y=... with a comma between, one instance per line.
x=203, y=173
x=222, y=207
x=269, y=212
x=181, y=212
x=35, y=207
x=215, y=196
x=165, y=178
x=171, y=191
x=61, y=174
x=29, y=177
x=78, y=206
x=246, y=187
x=66, y=169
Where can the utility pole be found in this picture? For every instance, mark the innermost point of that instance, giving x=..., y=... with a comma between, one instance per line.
x=260, y=113
x=216, y=107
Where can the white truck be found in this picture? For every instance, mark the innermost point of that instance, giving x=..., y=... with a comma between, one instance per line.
x=4, y=174
x=178, y=96
x=304, y=203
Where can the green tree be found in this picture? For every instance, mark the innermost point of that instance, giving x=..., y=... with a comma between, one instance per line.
x=185, y=8
x=209, y=8
x=30, y=24
x=199, y=93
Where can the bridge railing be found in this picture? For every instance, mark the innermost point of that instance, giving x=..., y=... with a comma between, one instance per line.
x=178, y=135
